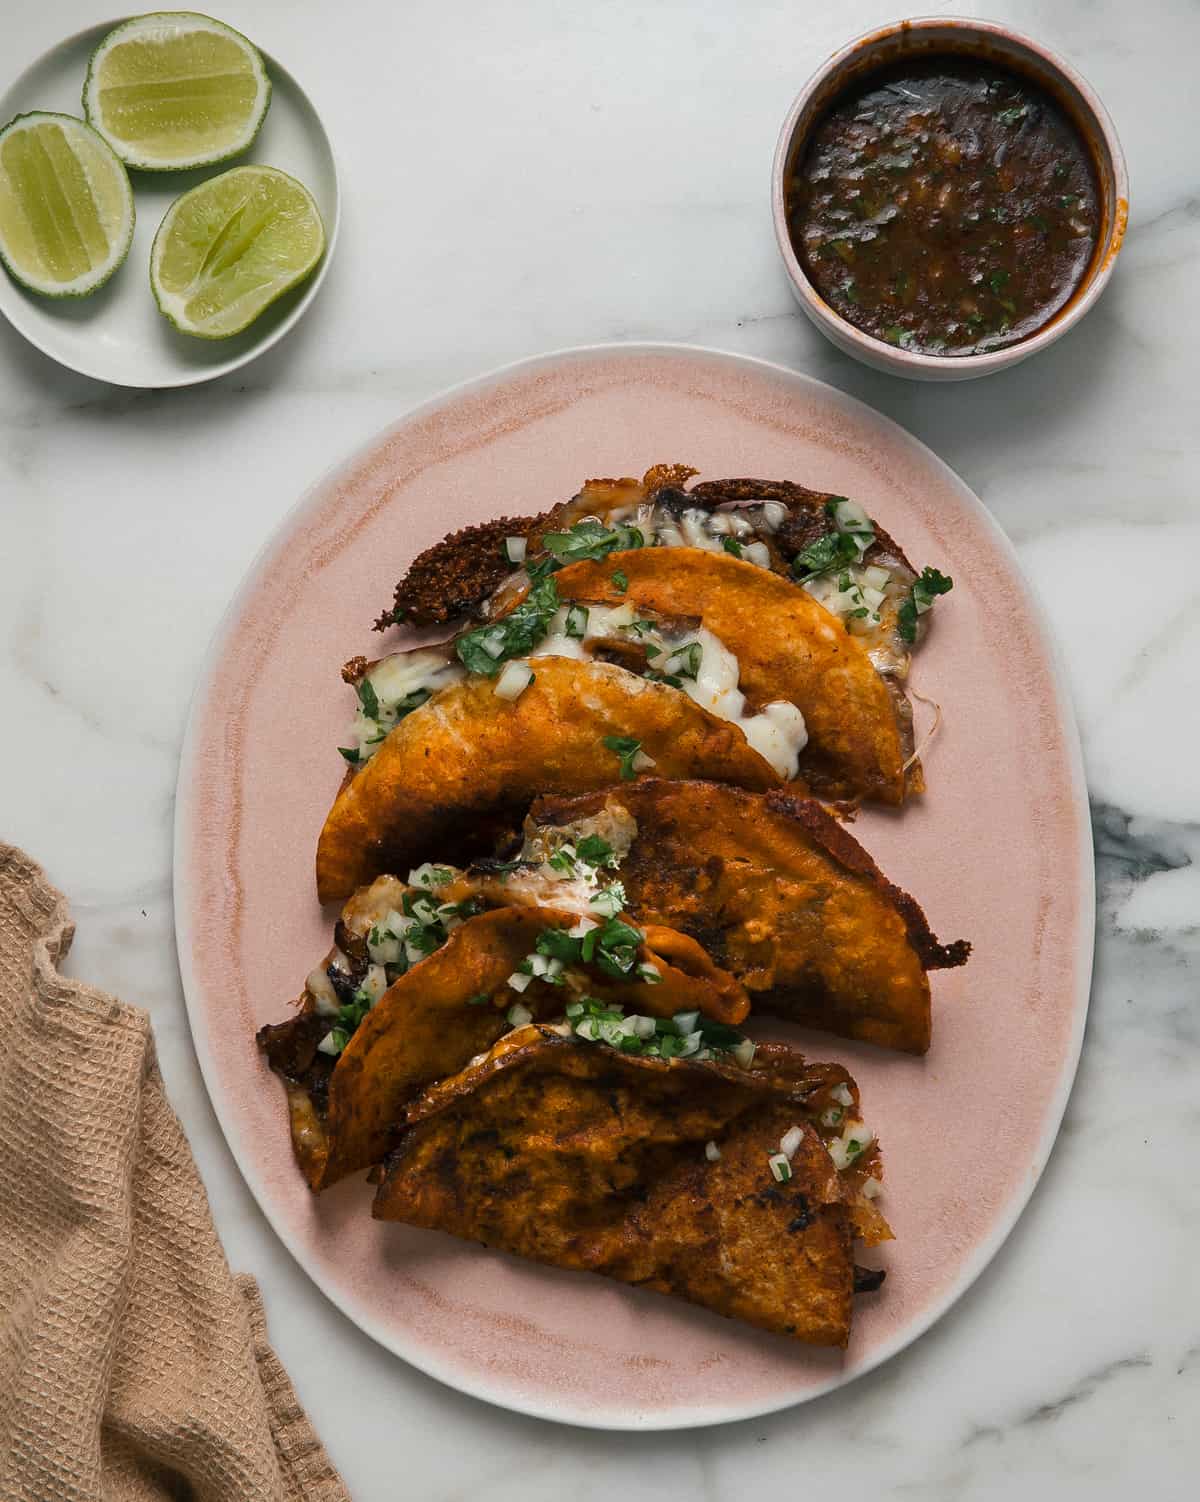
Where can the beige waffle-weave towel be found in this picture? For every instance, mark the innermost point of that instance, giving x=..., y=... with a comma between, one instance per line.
x=133, y=1365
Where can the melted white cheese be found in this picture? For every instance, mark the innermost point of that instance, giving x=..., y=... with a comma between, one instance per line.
x=394, y=679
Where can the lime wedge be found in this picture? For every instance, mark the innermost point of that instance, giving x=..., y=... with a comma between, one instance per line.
x=229, y=247
x=175, y=89
x=66, y=207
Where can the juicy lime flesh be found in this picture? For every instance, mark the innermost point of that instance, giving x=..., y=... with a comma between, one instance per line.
x=55, y=219
x=234, y=245
x=177, y=98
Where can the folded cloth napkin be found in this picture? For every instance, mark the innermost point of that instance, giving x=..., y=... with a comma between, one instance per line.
x=133, y=1365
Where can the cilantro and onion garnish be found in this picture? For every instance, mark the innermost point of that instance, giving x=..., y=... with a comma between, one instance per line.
x=394, y=944
x=866, y=597
x=920, y=599
x=629, y=751
x=687, y=1035
x=845, y=1150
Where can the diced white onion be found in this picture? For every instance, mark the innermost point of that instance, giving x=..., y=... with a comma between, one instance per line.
x=493, y=643
x=790, y=1141
x=515, y=548
x=385, y=948
x=691, y=1044
x=643, y=1027
x=774, y=513
x=584, y=926
x=320, y=988
x=876, y=577
x=374, y=983
x=757, y=553
x=606, y=902
x=781, y=1169
x=685, y=1022
x=328, y=1044
x=849, y=516
x=872, y=598
x=514, y=679
x=642, y=763
x=712, y=1152
x=649, y=975
x=743, y=1053
x=517, y=981
x=841, y=1093
x=871, y=1188
x=519, y=1014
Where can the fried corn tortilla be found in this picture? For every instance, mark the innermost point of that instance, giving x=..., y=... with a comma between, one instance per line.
x=780, y=895
x=654, y=1173
x=467, y=761
x=451, y=1005
x=788, y=647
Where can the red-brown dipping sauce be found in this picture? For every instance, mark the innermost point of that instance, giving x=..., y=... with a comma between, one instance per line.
x=949, y=206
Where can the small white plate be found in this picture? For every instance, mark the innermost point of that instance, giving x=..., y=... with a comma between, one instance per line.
x=118, y=334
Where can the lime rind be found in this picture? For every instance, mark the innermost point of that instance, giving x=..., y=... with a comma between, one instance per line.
x=90, y=281
x=128, y=151
x=172, y=305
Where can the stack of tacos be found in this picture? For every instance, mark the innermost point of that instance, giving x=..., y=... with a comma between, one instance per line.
x=579, y=843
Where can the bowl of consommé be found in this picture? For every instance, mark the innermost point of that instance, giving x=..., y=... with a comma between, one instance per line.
x=949, y=198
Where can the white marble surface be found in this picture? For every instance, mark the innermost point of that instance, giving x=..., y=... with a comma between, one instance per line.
x=522, y=176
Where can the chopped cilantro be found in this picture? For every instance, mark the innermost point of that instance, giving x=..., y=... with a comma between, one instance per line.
x=826, y=553
x=620, y=581
x=577, y=621
x=485, y=649
x=628, y=750
x=479, y=1001
x=595, y=851
x=351, y=753
x=558, y=944
x=922, y=595
x=615, y=948
x=732, y=545
x=368, y=698
x=686, y=660
x=591, y=539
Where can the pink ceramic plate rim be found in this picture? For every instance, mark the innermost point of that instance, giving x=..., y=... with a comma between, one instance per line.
x=425, y=1332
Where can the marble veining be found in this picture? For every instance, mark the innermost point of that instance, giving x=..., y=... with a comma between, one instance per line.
x=524, y=177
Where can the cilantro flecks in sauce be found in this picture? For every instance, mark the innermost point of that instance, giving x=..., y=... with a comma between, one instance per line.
x=949, y=207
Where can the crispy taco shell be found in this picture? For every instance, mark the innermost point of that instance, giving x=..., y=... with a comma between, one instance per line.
x=789, y=647
x=784, y=898
x=584, y=1158
x=466, y=762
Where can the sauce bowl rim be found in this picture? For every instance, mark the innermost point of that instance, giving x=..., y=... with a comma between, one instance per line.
x=1104, y=140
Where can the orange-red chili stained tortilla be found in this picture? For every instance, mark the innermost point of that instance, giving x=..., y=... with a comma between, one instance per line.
x=446, y=1009
x=579, y=1156
x=783, y=897
x=456, y=769
x=788, y=647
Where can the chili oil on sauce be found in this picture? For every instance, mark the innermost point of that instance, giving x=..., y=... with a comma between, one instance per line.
x=948, y=207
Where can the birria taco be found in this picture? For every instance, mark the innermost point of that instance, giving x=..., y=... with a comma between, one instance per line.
x=742, y=1190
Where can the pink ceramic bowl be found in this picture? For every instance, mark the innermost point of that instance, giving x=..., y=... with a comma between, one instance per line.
x=997, y=44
